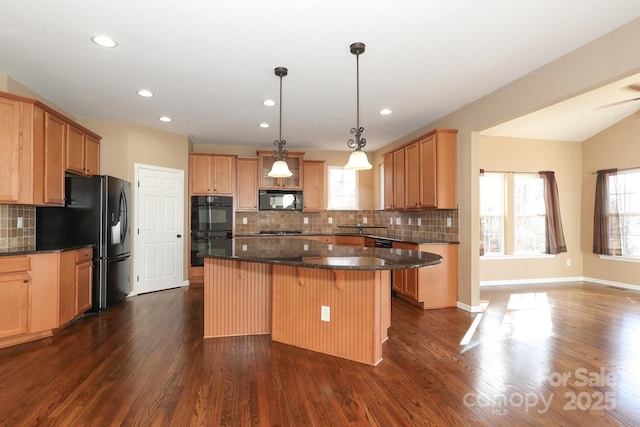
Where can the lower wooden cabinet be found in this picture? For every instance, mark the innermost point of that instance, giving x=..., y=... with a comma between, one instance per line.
x=83, y=280
x=429, y=287
x=349, y=240
x=39, y=293
x=15, y=285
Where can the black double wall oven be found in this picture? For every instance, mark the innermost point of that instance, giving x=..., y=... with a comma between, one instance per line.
x=211, y=226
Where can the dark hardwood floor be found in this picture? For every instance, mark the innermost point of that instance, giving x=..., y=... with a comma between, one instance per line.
x=536, y=358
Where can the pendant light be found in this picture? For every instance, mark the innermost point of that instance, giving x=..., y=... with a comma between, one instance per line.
x=280, y=169
x=358, y=159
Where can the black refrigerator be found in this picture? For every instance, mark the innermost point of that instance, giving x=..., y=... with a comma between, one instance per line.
x=97, y=211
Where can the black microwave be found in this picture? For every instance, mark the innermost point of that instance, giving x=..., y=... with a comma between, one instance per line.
x=279, y=200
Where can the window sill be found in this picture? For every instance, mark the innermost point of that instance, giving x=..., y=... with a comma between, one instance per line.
x=620, y=258
x=527, y=256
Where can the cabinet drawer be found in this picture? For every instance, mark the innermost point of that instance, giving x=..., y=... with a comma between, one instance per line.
x=84, y=255
x=15, y=263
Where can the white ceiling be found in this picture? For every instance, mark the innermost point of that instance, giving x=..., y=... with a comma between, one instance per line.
x=210, y=63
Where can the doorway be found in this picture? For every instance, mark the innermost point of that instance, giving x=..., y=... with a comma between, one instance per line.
x=159, y=231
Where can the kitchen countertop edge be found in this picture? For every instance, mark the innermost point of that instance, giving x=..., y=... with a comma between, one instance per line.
x=41, y=250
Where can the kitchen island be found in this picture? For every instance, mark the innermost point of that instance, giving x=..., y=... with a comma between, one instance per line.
x=326, y=298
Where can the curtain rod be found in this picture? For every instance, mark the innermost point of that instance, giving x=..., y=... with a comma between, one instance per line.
x=488, y=171
x=617, y=169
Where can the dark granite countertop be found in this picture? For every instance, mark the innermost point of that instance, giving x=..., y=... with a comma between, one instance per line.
x=25, y=250
x=309, y=253
x=373, y=236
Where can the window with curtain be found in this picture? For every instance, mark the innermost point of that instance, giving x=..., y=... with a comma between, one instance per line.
x=617, y=213
x=343, y=188
x=520, y=214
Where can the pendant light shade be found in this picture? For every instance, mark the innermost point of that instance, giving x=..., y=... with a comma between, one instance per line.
x=280, y=169
x=358, y=159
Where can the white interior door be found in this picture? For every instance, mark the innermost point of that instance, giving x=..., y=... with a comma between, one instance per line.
x=159, y=251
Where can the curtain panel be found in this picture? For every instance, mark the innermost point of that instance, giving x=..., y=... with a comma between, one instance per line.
x=606, y=236
x=555, y=242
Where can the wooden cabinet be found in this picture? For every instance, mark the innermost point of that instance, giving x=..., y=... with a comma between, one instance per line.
x=67, y=287
x=405, y=282
x=437, y=152
x=247, y=195
x=55, y=132
x=211, y=173
x=429, y=287
x=394, y=174
x=14, y=296
x=313, y=188
x=45, y=287
x=294, y=161
x=422, y=173
x=411, y=172
x=83, y=280
x=10, y=146
x=349, y=240
x=42, y=292
x=82, y=152
x=389, y=202
x=36, y=144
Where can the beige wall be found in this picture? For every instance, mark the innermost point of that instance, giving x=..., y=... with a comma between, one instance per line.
x=125, y=144
x=526, y=155
x=616, y=147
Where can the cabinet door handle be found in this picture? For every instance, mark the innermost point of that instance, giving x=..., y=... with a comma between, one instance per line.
x=25, y=281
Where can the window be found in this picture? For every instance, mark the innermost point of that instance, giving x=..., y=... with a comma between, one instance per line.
x=492, y=213
x=623, y=191
x=343, y=188
x=512, y=214
x=529, y=214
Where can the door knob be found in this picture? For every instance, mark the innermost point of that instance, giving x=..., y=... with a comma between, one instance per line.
x=179, y=236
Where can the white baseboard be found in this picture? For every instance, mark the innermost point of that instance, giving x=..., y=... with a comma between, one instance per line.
x=531, y=281
x=185, y=283
x=469, y=308
x=595, y=281
x=612, y=283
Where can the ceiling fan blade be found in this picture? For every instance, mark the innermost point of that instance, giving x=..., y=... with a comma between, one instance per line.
x=619, y=102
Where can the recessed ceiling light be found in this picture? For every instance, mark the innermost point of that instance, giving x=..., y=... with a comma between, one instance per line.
x=165, y=119
x=145, y=93
x=385, y=111
x=104, y=41
x=269, y=102
x=264, y=125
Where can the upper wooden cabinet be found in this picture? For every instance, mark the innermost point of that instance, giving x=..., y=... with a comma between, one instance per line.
x=34, y=148
x=313, y=189
x=422, y=173
x=437, y=173
x=82, y=152
x=247, y=171
x=211, y=173
x=10, y=143
x=294, y=161
x=55, y=131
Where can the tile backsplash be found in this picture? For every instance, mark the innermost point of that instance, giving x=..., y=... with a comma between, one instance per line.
x=11, y=235
x=436, y=225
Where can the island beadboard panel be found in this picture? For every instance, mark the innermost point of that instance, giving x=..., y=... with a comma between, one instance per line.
x=360, y=311
x=237, y=298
